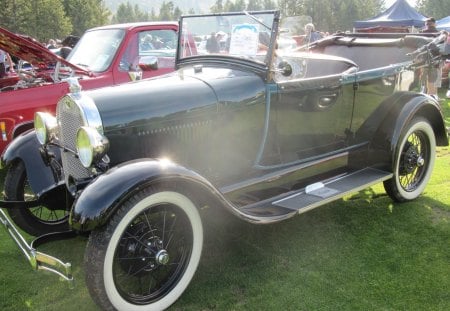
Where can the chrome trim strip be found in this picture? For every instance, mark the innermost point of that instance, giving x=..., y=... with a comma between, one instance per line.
x=91, y=115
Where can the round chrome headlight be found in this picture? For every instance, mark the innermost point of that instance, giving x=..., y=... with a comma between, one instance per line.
x=91, y=145
x=45, y=125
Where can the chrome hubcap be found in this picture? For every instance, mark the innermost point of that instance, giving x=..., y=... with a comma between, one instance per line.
x=162, y=257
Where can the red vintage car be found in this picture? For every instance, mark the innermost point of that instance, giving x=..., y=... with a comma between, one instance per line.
x=104, y=56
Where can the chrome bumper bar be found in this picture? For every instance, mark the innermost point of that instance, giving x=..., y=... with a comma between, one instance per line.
x=38, y=260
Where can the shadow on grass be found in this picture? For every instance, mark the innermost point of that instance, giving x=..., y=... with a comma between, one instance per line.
x=355, y=254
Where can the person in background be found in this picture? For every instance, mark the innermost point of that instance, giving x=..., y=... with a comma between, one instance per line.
x=51, y=44
x=430, y=25
x=68, y=44
x=6, y=63
x=433, y=74
x=146, y=44
x=212, y=44
x=311, y=34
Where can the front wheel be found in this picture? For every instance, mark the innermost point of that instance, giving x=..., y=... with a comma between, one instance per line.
x=414, y=161
x=147, y=254
x=49, y=217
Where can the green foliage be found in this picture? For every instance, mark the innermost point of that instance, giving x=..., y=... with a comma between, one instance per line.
x=332, y=15
x=240, y=5
x=327, y=15
x=436, y=8
x=45, y=19
x=42, y=19
x=85, y=14
x=127, y=13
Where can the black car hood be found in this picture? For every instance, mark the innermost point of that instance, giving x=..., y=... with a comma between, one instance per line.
x=30, y=50
x=182, y=91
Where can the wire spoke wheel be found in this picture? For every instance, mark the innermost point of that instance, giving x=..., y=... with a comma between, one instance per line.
x=414, y=161
x=43, y=213
x=152, y=254
x=37, y=220
x=147, y=254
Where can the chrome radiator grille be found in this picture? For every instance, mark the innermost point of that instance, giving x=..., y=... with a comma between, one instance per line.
x=70, y=119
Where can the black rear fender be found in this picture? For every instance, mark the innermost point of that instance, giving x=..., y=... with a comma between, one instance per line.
x=402, y=112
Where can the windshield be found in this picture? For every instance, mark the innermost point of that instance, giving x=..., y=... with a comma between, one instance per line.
x=294, y=32
x=96, y=49
x=243, y=35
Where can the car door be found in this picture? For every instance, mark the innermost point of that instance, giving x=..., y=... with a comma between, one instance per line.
x=312, y=113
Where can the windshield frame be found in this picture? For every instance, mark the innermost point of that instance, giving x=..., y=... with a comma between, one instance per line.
x=226, y=59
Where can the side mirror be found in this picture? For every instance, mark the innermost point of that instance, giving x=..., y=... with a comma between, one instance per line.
x=148, y=63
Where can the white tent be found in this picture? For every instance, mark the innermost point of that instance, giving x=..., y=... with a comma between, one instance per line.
x=443, y=24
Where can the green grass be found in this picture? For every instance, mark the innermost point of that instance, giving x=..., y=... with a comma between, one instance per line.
x=361, y=253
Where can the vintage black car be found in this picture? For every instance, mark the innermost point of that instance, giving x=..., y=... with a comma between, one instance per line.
x=263, y=131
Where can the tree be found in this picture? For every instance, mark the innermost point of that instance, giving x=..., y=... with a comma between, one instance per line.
x=126, y=13
x=217, y=7
x=85, y=14
x=41, y=20
x=254, y=5
x=436, y=8
x=332, y=15
x=140, y=16
x=166, y=11
x=13, y=15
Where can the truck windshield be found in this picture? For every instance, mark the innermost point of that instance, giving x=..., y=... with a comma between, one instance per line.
x=96, y=49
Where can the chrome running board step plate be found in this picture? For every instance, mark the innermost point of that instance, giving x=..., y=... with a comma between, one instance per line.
x=321, y=193
x=38, y=260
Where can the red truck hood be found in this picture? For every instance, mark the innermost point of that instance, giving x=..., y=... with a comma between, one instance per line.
x=31, y=51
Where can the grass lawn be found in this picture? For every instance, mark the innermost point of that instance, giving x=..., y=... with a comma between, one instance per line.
x=361, y=253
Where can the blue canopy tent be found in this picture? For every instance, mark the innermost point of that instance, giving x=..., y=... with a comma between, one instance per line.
x=400, y=14
x=443, y=24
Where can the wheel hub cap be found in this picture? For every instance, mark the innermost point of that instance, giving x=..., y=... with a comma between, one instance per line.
x=420, y=161
x=412, y=160
x=162, y=257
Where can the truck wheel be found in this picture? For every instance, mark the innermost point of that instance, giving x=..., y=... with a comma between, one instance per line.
x=147, y=254
x=414, y=161
x=38, y=220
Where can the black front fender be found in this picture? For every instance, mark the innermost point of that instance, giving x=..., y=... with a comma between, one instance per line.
x=26, y=148
x=101, y=198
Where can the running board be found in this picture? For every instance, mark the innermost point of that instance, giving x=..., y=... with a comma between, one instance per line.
x=321, y=193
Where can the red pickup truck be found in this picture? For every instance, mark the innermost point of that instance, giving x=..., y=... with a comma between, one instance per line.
x=107, y=55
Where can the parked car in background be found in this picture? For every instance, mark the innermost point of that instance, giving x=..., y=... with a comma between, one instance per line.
x=104, y=56
x=262, y=132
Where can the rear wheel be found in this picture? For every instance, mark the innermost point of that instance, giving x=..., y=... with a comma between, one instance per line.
x=145, y=257
x=414, y=161
x=38, y=220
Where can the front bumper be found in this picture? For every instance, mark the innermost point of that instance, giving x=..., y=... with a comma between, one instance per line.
x=38, y=260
